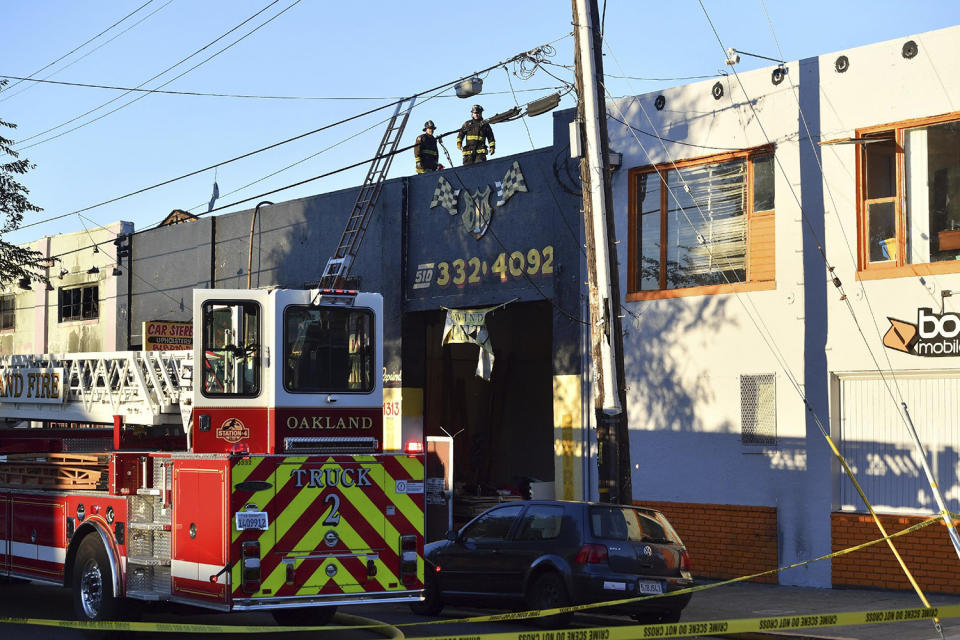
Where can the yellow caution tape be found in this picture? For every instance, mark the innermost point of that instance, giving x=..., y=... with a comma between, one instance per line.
x=625, y=632
x=645, y=631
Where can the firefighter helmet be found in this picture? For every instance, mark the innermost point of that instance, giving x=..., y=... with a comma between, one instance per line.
x=476, y=109
x=429, y=125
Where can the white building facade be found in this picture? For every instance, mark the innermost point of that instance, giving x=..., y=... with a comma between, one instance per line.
x=790, y=239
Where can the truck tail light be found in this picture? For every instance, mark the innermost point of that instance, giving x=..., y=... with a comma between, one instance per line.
x=591, y=554
x=684, y=561
x=250, y=563
x=408, y=559
x=413, y=448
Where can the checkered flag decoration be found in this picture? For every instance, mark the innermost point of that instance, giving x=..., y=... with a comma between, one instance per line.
x=446, y=196
x=512, y=183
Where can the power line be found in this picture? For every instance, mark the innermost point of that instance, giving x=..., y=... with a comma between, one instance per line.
x=78, y=47
x=235, y=95
x=268, y=147
x=92, y=51
x=206, y=46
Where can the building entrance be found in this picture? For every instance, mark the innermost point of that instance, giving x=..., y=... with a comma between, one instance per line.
x=502, y=427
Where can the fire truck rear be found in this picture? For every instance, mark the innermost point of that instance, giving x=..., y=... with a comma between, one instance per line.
x=248, y=473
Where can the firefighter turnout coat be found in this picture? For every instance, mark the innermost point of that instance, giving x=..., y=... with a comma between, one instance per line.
x=472, y=136
x=425, y=151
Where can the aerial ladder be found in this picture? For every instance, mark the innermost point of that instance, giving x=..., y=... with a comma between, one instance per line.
x=338, y=267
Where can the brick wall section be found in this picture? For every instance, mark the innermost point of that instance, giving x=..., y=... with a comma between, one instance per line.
x=928, y=553
x=725, y=541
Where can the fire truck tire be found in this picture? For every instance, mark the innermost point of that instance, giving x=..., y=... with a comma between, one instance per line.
x=305, y=617
x=432, y=604
x=93, y=597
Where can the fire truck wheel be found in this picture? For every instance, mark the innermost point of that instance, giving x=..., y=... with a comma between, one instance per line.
x=431, y=605
x=305, y=617
x=93, y=597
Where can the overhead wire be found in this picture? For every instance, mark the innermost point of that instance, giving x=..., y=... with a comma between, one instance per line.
x=34, y=81
x=74, y=50
x=198, y=51
x=202, y=94
x=271, y=146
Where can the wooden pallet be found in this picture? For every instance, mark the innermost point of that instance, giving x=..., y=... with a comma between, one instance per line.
x=53, y=471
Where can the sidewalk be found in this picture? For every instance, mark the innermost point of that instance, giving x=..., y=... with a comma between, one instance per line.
x=752, y=600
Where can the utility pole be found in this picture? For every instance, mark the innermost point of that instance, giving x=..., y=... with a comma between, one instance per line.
x=613, y=454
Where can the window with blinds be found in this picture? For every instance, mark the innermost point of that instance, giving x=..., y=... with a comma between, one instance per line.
x=703, y=223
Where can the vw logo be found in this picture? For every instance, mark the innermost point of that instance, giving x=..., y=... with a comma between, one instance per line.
x=330, y=538
x=331, y=570
x=646, y=551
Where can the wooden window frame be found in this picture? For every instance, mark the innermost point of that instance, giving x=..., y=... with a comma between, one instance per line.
x=634, y=293
x=898, y=268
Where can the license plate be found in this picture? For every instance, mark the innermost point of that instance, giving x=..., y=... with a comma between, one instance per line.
x=252, y=520
x=649, y=586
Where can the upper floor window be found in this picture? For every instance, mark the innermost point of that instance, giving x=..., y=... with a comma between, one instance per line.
x=79, y=303
x=7, y=312
x=910, y=195
x=702, y=226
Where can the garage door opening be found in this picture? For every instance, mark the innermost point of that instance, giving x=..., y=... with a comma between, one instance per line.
x=505, y=425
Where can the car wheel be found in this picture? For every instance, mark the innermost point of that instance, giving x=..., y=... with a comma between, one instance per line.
x=93, y=597
x=304, y=616
x=549, y=592
x=431, y=604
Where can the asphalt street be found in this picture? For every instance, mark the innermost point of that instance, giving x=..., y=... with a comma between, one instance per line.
x=34, y=600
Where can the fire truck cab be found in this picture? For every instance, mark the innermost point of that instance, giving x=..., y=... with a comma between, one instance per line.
x=248, y=473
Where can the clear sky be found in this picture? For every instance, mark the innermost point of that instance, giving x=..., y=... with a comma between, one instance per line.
x=351, y=57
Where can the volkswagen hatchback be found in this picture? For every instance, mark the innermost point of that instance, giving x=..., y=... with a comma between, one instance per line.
x=545, y=554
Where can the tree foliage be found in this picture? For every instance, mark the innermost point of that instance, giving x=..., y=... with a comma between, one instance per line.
x=15, y=262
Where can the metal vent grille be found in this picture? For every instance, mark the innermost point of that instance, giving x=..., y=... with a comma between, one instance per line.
x=758, y=409
x=330, y=445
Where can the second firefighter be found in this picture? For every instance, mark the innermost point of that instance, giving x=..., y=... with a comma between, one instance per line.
x=473, y=136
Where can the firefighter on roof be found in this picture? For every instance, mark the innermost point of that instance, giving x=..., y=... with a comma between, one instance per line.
x=425, y=150
x=472, y=136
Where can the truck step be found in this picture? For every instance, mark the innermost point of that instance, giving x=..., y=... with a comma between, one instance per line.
x=148, y=561
x=146, y=595
x=152, y=526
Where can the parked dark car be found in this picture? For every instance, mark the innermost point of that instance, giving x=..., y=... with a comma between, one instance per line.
x=543, y=554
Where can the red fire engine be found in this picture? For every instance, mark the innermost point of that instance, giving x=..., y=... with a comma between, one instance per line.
x=248, y=473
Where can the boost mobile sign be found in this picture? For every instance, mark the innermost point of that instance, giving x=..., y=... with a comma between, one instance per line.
x=934, y=334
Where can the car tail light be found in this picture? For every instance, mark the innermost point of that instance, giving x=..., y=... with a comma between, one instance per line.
x=684, y=561
x=591, y=554
x=408, y=559
x=250, y=563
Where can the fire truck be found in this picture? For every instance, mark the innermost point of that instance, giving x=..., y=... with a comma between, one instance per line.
x=248, y=473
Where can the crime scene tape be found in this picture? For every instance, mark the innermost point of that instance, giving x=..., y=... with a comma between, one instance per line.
x=735, y=626
x=625, y=632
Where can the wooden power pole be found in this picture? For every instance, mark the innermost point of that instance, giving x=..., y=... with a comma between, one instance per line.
x=613, y=454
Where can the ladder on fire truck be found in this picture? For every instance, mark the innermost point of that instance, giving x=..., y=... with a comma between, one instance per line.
x=148, y=388
x=338, y=267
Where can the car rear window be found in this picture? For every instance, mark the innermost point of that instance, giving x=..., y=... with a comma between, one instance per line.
x=624, y=523
x=541, y=522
